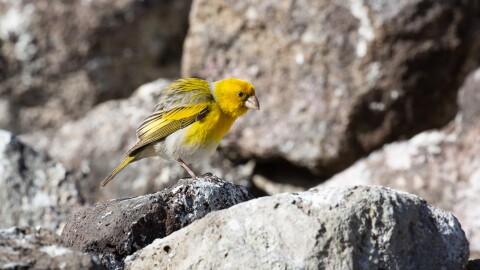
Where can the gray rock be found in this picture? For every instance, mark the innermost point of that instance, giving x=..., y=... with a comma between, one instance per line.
x=117, y=228
x=333, y=228
x=36, y=191
x=443, y=166
x=35, y=248
x=96, y=143
x=58, y=59
x=335, y=79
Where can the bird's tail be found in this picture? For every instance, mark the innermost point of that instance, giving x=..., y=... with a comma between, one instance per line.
x=127, y=160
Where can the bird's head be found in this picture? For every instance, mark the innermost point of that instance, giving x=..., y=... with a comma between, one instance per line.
x=235, y=96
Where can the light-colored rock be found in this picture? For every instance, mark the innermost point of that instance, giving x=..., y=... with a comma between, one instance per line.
x=443, y=166
x=35, y=190
x=117, y=228
x=58, y=59
x=332, y=228
x=35, y=248
x=335, y=79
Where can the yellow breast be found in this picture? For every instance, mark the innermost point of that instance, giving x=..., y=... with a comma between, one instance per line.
x=210, y=129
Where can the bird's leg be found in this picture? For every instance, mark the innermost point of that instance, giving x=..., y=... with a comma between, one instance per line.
x=192, y=174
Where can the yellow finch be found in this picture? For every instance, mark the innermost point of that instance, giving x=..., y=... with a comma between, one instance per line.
x=190, y=120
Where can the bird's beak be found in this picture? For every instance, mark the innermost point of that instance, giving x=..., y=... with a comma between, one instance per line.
x=252, y=103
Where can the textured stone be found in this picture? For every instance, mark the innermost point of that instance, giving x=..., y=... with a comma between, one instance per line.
x=332, y=228
x=96, y=143
x=336, y=79
x=36, y=191
x=117, y=228
x=441, y=165
x=29, y=248
x=58, y=59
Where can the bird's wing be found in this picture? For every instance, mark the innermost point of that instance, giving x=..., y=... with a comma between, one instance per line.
x=184, y=93
x=163, y=123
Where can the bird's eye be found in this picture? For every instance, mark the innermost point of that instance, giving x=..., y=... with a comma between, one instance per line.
x=240, y=94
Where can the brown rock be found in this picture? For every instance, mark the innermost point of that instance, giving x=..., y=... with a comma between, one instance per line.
x=58, y=59
x=117, y=228
x=441, y=166
x=335, y=80
x=29, y=248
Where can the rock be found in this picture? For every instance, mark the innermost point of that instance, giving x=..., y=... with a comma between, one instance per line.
x=117, y=228
x=333, y=228
x=473, y=265
x=440, y=165
x=29, y=248
x=58, y=59
x=36, y=191
x=96, y=143
x=335, y=80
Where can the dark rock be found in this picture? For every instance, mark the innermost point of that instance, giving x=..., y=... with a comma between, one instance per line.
x=29, y=248
x=335, y=79
x=36, y=191
x=443, y=166
x=117, y=228
x=473, y=265
x=332, y=228
x=58, y=59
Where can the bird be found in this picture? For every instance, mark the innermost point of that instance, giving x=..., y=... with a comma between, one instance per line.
x=189, y=121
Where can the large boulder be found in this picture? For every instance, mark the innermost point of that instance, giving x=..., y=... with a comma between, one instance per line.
x=39, y=248
x=332, y=228
x=442, y=166
x=335, y=79
x=35, y=190
x=58, y=59
x=117, y=228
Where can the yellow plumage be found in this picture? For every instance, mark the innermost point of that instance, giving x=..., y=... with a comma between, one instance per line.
x=189, y=121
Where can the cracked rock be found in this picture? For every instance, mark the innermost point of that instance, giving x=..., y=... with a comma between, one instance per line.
x=117, y=228
x=332, y=228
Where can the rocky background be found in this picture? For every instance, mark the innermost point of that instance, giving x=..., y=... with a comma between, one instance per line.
x=353, y=93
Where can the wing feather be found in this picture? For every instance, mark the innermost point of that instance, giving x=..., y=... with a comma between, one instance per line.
x=159, y=125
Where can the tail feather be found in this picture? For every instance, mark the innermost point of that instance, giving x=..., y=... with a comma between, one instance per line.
x=128, y=159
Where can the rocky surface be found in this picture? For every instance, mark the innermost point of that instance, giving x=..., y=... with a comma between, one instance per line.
x=29, y=248
x=336, y=80
x=441, y=166
x=58, y=59
x=473, y=265
x=35, y=190
x=117, y=228
x=332, y=228
x=97, y=142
